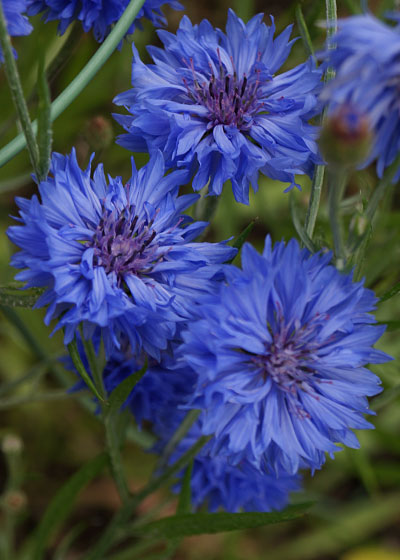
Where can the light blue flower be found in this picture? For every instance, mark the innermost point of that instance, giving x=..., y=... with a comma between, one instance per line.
x=215, y=104
x=17, y=23
x=281, y=354
x=115, y=257
x=98, y=15
x=367, y=65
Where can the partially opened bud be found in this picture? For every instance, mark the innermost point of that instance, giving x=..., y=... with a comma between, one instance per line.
x=346, y=137
x=14, y=501
x=99, y=133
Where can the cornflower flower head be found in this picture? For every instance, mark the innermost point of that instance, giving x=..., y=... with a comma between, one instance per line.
x=214, y=104
x=98, y=15
x=163, y=386
x=280, y=354
x=17, y=23
x=115, y=257
x=366, y=61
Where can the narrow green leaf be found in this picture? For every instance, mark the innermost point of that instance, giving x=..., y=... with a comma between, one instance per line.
x=305, y=35
x=13, y=296
x=185, y=496
x=241, y=238
x=85, y=76
x=390, y=293
x=62, y=504
x=122, y=516
x=306, y=240
x=208, y=523
x=76, y=359
x=63, y=549
x=179, y=434
x=390, y=325
x=123, y=390
x=44, y=121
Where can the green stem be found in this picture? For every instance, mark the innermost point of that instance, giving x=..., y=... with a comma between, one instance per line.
x=180, y=432
x=305, y=35
x=53, y=69
x=114, y=454
x=80, y=368
x=93, y=365
x=106, y=540
x=318, y=179
x=315, y=198
x=79, y=83
x=355, y=241
x=336, y=186
x=36, y=397
x=17, y=92
x=331, y=28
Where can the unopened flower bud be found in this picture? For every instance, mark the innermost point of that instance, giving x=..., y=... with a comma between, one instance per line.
x=11, y=444
x=14, y=501
x=346, y=137
x=99, y=133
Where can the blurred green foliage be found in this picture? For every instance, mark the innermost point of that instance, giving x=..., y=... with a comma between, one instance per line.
x=357, y=496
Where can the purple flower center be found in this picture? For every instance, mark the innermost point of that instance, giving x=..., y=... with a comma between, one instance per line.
x=229, y=100
x=288, y=359
x=123, y=244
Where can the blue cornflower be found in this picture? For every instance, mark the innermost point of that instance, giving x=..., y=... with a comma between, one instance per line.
x=113, y=256
x=17, y=24
x=367, y=65
x=280, y=355
x=98, y=15
x=162, y=388
x=214, y=104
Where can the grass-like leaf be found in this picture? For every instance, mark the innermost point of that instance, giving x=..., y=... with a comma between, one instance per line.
x=390, y=293
x=123, y=390
x=44, y=121
x=13, y=296
x=207, y=523
x=63, y=502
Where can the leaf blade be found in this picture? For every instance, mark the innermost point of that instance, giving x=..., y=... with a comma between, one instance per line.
x=185, y=525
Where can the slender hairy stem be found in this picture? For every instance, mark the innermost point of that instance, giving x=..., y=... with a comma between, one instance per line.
x=106, y=540
x=305, y=35
x=336, y=185
x=114, y=454
x=17, y=92
x=52, y=70
x=93, y=365
x=77, y=85
x=80, y=368
x=180, y=432
x=314, y=201
x=318, y=179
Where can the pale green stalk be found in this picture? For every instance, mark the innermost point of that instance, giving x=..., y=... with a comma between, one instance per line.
x=79, y=83
x=17, y=92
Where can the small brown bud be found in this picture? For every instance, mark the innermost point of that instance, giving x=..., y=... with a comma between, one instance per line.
x=14, y=501
x=346, y=137
x=11, y=444
x=98, y=133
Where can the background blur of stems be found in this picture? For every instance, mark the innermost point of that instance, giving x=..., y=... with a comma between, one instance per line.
x=357, y=494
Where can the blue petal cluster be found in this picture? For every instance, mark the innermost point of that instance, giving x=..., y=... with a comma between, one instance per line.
x=119, y=258
x=160, y=391
x=282, y=378
x=98, y=15
x=17, y=24
x=367, y=65
x=214, y=104
x=217, y=483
